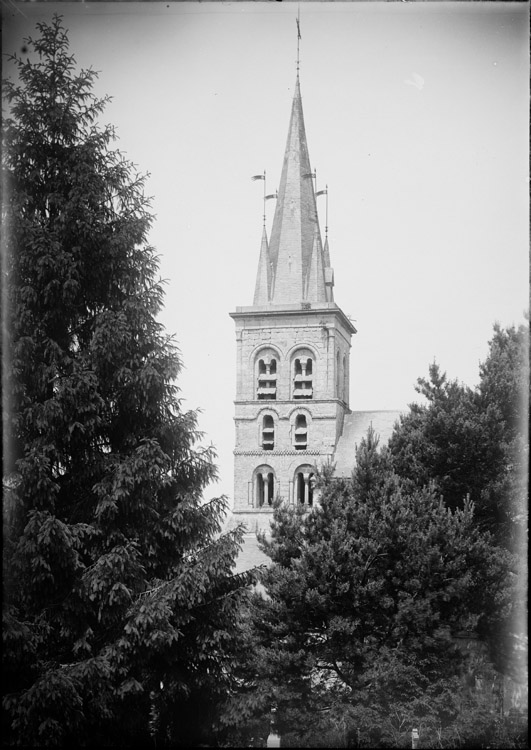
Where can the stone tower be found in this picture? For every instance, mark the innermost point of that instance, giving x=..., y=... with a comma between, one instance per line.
x=293, y=351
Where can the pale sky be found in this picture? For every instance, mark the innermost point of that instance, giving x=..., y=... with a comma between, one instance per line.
x=417, y=119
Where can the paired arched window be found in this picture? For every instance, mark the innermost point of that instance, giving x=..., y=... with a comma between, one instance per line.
x=268, y=433
x=267, y=378
x=303, y=485
x=303, y=376
x=264, y=487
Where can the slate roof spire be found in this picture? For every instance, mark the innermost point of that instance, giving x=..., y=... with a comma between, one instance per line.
x=294, y=262
x=263, y=277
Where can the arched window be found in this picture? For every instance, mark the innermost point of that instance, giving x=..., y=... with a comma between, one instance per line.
x=268, y=433
x=303, y=486
x=300, y=434
x=303, y=378
x=264, y=487
x=338, y=392
x=267, y=379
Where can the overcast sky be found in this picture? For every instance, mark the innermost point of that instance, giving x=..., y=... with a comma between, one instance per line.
x=417, y=119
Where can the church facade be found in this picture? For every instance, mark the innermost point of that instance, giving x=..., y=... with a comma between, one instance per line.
x=293, y=354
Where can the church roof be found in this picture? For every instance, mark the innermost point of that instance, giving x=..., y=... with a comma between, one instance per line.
x=355, y=428
x=296, y=267
x=251, y=556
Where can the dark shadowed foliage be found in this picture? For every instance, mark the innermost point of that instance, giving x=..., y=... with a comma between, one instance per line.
x=355, y=641
x=473, y=444
x=119, y=602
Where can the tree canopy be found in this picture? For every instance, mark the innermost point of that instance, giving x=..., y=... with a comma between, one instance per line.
x=473, y=442
x=356, y=640
x=119, y=602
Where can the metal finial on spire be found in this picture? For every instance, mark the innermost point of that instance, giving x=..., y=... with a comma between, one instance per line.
x=262, y=177
x=298, y=37
x=326, y=219
x=324, y=192
x=264, y=217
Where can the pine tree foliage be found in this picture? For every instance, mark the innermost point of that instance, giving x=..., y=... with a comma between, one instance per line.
x=356, y=638
x=473, y=443
x=118, y=592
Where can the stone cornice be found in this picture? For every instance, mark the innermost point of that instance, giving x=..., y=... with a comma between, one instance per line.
x=295, y=310
x=302, y=404
x=291, y=452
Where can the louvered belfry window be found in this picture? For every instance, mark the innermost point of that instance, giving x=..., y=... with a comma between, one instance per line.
x=267, y=380
x=301, y=433
x=303, y=378
x=268, y=433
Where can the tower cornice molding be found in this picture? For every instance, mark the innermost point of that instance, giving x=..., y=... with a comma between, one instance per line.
x=292, y=452
x=286, y=402
x=297, y=310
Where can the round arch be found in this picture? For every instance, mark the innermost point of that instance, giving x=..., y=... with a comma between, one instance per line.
x=254, y=355
x=301, y=346
x=268, y=410
x=302, y=409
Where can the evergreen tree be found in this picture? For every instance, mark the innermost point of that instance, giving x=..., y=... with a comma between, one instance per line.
x=355, y=640
x=473, y=442
x=119, y=602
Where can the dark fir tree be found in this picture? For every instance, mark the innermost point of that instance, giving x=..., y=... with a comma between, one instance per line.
x=473, y=443
x=355, y=641
x=119, y=602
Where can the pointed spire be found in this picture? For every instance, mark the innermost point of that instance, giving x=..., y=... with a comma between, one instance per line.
x=328, y=272
x=315, y=290
x=326, y=253
x=295, y=223
x=263, y=277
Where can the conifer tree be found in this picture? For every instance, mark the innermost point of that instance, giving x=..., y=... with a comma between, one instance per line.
x=473, y=443
x=119, y=602
x=355, y=640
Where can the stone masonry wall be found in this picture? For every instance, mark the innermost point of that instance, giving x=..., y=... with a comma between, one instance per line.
x=320, y=334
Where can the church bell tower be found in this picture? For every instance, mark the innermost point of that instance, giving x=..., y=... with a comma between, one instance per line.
x=293, y=351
